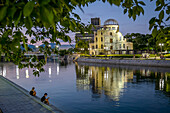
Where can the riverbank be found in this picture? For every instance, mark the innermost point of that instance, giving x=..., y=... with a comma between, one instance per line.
x=133, y=62
x=15, y=99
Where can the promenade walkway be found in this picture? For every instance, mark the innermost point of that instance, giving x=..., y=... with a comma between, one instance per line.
x=15, y=99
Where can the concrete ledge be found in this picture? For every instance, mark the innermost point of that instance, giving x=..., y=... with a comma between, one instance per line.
x=153, y=63
x=50, y=107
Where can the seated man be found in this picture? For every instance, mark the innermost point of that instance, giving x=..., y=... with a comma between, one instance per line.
x=33, y=92
x=43, y=99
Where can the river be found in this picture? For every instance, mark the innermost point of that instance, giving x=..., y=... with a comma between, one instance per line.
x=82, y=88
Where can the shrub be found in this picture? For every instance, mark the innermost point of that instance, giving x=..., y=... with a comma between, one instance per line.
x=167, y=55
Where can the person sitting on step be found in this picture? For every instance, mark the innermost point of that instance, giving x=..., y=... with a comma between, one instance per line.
x=33, y=92
x=44, y=99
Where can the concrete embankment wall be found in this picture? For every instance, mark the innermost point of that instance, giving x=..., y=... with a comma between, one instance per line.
x=154, y=63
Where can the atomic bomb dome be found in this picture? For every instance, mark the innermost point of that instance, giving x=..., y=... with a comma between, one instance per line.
x=111, y=22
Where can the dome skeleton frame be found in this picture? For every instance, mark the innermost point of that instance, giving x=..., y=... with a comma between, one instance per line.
x=111, y=22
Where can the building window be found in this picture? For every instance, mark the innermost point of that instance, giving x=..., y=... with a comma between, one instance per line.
x=101, y=39
x=92, y=47
x=111, y=40
x=120, y=38
x=120, y=45
x=113, y=28
x=109, y=28
x=101, y=33
x=111, y=47
x=102, y=46
x=111, y=33
x=123, y=45
x=96, y=46
x=96, y=39
x=95, y=33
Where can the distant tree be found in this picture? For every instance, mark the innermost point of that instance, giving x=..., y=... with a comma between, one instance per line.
x=141, y=41
x=52, y=20
x=63, y=52
x=82, y=44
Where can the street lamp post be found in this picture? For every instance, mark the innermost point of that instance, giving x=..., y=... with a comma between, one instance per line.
x=161, y=44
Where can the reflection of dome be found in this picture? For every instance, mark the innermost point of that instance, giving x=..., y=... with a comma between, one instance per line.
x=111, y=22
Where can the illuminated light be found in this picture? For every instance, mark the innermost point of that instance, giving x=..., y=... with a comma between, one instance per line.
x=26, y=72
x=105, y=75
x=49, y=71
x=4, y=71
x=0, y=70
x=49, y=45
x=36, y=46
x=56, y=46
x=17, y=72
x=17, y=77
x=58, y=69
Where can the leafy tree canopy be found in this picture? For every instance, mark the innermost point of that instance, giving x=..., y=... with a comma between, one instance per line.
x=52, y=20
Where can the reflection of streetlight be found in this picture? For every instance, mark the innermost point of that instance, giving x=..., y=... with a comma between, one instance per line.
x=4, y=71
x=89, y=49
x=161, y=44
x=27, y=74
x=56, y=46
x=58, y=69
x=49, y=71
x=82, y=49
x=17, y=72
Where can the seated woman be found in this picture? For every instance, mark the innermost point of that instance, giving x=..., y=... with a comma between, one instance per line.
x=43, y=99
x=33, y=92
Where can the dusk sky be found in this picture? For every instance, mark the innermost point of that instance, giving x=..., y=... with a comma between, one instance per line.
x=126, y=25
x=105, y=11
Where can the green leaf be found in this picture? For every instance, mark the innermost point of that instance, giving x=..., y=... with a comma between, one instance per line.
x=47, y=15
x=141, y=10
x=28, y=8
x=18, y=19
x=168, y=18
x=161, y=15
x=3, y=12
x=72, y=27
x=125, y=11
x=152, y=20
x=11, y=11
x=28, y=23
x=154, y=32
x=158, y=8
x=142, y=3
x=43, y=2
x=25, y=46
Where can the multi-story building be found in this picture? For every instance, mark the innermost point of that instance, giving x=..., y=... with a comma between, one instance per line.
x=87, y=36
x=108, y=40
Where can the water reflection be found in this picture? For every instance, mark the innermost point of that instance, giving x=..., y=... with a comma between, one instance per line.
x=51, y=68
x=17, y=72
x=27, y=73
x=110, y=81
x=4, y=71
x=113, y=81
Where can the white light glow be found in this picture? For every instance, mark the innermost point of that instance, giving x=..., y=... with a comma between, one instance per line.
x=58, y=69
x=17, y=72
x=27, y=74
x=49, y=71
x=4, y=71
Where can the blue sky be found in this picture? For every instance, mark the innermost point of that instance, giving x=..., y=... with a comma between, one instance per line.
x=106, y=11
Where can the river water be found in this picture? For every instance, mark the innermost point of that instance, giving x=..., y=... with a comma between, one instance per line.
x=93, y=88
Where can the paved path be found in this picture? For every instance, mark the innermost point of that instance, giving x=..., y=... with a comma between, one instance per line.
x=14, y=99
